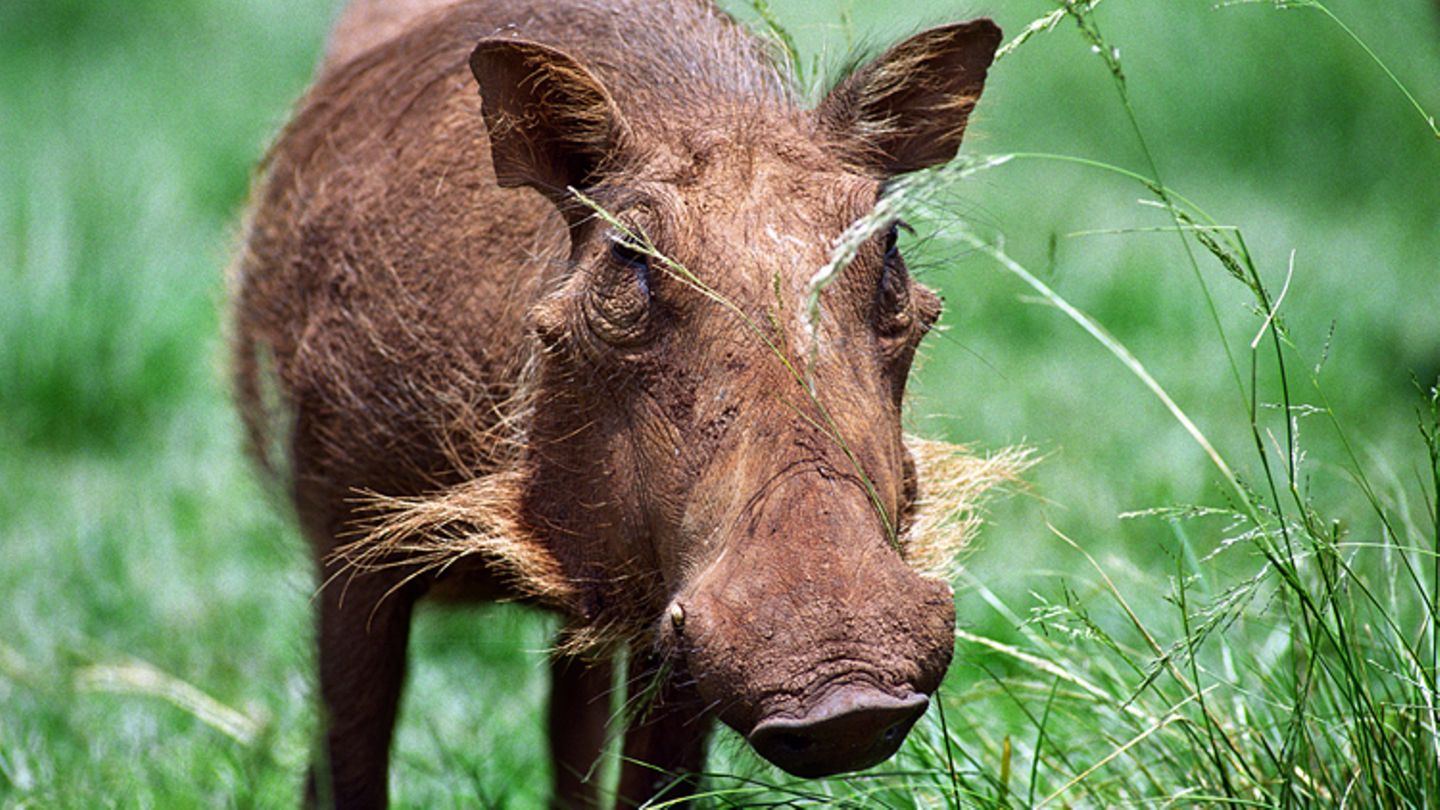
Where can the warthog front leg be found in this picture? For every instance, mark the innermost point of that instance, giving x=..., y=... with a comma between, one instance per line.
x=579, y=711
x=665, y=745
x=362, y=638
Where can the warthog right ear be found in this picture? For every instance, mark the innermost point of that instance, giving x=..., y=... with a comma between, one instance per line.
x=907, y=109
x=552, y=125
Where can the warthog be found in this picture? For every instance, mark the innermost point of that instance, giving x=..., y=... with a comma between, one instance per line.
x=523, y=313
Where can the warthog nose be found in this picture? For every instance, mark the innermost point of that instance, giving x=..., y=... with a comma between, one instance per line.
x=851, y=729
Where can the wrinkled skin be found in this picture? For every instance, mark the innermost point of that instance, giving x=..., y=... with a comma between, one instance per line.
x=415, y=265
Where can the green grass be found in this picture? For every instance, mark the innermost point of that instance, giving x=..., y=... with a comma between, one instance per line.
x=134, y=534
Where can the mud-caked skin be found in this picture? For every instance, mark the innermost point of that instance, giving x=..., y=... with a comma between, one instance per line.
x=433, y=306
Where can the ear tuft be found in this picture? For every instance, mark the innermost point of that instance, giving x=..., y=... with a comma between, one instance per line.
x=552, y=124
x=907, y=109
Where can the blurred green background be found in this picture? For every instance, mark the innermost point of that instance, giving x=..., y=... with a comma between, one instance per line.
x=132, y=531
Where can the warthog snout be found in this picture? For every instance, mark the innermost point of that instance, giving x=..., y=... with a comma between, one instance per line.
x=810, y=634
x=851, y=729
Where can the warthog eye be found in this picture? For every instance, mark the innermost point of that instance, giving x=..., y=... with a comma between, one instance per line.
x=631, y=257
x=892, y=296
x=619, y=302
x=892, y=240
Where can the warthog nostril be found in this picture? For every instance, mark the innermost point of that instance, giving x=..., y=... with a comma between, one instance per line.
x=850, y=729
x=793, y=743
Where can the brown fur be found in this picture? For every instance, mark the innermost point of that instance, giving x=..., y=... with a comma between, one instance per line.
x=476, y=398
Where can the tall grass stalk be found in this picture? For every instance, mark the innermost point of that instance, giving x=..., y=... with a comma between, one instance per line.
x=1364, y=46
x=1346, y=711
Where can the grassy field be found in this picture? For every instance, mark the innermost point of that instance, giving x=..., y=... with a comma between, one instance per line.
x=1264, y=635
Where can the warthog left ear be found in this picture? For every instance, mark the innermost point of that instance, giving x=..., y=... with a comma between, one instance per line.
x=552, y=125
x=907, y=109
